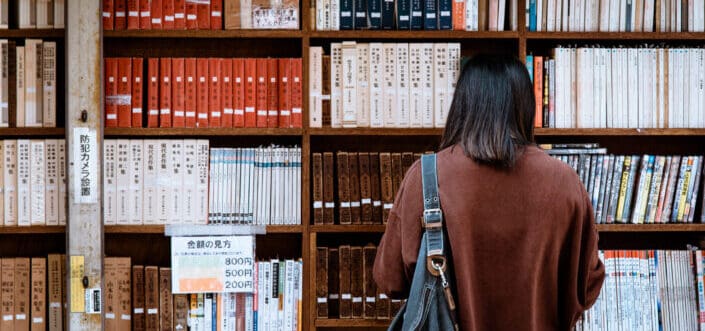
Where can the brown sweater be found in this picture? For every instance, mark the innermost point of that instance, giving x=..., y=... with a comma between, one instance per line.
x=524, y=241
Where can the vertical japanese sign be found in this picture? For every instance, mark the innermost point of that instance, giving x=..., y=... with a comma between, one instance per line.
x=212, y=264
x=85, y=165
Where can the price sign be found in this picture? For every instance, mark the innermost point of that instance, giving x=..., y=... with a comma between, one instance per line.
x=212, y=264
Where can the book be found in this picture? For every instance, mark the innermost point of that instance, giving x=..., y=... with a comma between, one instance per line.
x=38, y=294
x=151, y=290
x=344, y=284
x=322, y=282
x=357, y=281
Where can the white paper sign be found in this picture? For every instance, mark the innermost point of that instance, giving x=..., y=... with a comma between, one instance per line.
x=212, y=264
x=85, y=165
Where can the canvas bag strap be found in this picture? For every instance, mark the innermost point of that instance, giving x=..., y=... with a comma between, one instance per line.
x=432, y=216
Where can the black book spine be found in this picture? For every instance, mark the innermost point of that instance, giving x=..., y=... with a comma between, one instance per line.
x=445, y=20
x=388, y=17
x=374, y=14
x=403, y=14
x=430, y=15
x=417, y=14
x=361, y=14
x=346, y=14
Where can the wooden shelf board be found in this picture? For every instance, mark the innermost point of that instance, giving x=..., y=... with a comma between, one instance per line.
x=159, y=229
x=352, y=323
x=200, y=132
x=328, y=228
x=32, y=229
x=32, y=33
x=690, y=227
x=278, y=34
x=618, y=132
x=413, y=34
x=32, y=132
x=374, y=132
x=615, y=35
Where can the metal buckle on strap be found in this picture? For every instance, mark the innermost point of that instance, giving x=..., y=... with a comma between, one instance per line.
x=436, y=265
x=433, y=215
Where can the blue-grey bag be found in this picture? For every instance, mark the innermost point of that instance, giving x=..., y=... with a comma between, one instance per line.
x=430, y=305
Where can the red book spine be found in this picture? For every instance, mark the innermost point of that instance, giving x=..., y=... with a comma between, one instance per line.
x=145, y=14
x=177, y=93
x=226, y=94
x=179, y=14
x=239, y=93
x=214, y=101
x=250, y=92
x=111, y=74
x=165, y=93
x=202, y=93
x=538, y=91
x=156, y=14
x=168, y=14
x=216, y=14
x=153, y=92
x=203, y=15
x=108, y=15
x=120, y=14
x=133, y=14
x=190, y=92
x=272, y=93
x=296, y=93
x=284, y=93
x=191, y=15
x=137, y=80
x=261, y=93
x=124, y=92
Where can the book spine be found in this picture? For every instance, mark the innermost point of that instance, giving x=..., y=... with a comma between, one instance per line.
x=250, y=92
x=402, y=74
x=123, y=99
x=153, y=93
x=296, y=93
x=239, y=84
x=202, y=92
x=216, y=15
x=374, y=13
x=137, y=81
x=48, y=72
x=388, y=15
x=272, y=93
x=38, y=294
x=430, y=14
x=111, y=77
x=179, y=14
x=417, y=18
x=214, y=92
x=165, y=111
x=445, y=19
x=156, y=14
x=361, y=20
x=226, y=93
x=459, y=19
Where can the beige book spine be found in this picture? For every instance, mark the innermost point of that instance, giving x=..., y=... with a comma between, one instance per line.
x=49, y=84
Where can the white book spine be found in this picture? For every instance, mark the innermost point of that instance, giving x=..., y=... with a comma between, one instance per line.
x=349, y=84
x=335, y=15
x=316, y=87
x=202, y=188
x=389, y=101
x=362, y=88
x=376, y=86
x=402, y=73
x=427, y=86
x=150, y=177
x=4, y=13
x=30, y=83
x=136, y=172
x=4, y=82
x=23, y=182
x=415, y=86
x=58, y=14
x=289, y=295
x=52, y=181
x=63, y=187
x=9, y=150
x=190, y=181
x=109, y=182
x=336, y=87
x=20, y=91
x=320, y=15
x=163, y=182
x=177, y=181
x=440, y=85
x=123, y=181
x=633, y=60
x=471, y=15
x=454, y=54
x=49, y=84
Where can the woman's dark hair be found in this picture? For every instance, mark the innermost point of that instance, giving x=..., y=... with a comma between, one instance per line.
x=492, y=114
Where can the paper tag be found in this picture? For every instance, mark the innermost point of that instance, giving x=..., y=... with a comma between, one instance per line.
x=322, y=300
x=345, y=14
x=145, y=13
x=346, y=296
x=261, y=113
x=228, y=111
x=156, y=21
x=355, y=203
x=7, y=317
x=152, y=311
x=153, y=112
x=366, y=201
x=107, y=14
x=318, y=204
x=20, y=317
x=111, y=116
x=120, y=14
x=137, y=110
x=382, y=296
x=345, y=205
x=330, y=204
x=215, y=14
x=356, y=299
x=333, y=296
x=178, y=113
x=272, y=113
x=37, y=320
x=168, y=18
x=404, y=17
x=370, y=299
x=190, y=114
x=191, y=17
x=165, y=111
x=388, y=205
x=215, y=114
x=179, y=15
x=416, y=14
x=239, y=112
x=445, y=13
x=249, y=109
x=55, y=305
x=203, y=116
x=375, y=15
x=296, y=110
x=134, y=14
x=110, y=316
x=139, y=311
x=93, y=298
x=125, y=317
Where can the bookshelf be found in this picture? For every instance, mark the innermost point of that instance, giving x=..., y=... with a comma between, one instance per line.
x=302, y=240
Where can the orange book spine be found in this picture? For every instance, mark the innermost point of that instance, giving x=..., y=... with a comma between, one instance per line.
x=124, y=92
x=153, y=92
x=261, y=93
x=272, y=93
x=165, y=93
x=238, y=93
x=120, y=14
x=133, y=14
x=250, y=92
x=108, y=15
x=203, y=15
x=538, y=91
x=202, y=93
x=226, y=94
x=177, y=93
x=216, y=14
x=179, y=14
x=137, y=81
x=284, y=93
x=214, y=89
x=145, y=14
x=191, y=15
x=156, y=14
x=190, y=92
x=458, y=15
x=168, y=14
x=111, y=74
x=296, y=93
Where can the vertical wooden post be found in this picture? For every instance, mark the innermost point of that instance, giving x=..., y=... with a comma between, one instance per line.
x=84, y=249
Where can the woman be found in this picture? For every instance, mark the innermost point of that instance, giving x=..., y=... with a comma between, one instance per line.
x=519, y=222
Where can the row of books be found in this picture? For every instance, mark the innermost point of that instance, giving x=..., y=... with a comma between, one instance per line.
x=615, y=16
x=155, y=181
x=204, y=92
x=362, y=185
x=42, y=14
x=637, y=189
x=470, y=15
x=255, y=186
x=649, y=290
x=345, y=287
x=33, y=179
x=28, y=83
x=592, y=87
x=394, y=85
x=199, y=15
x=140, y=298
x=33, y=293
